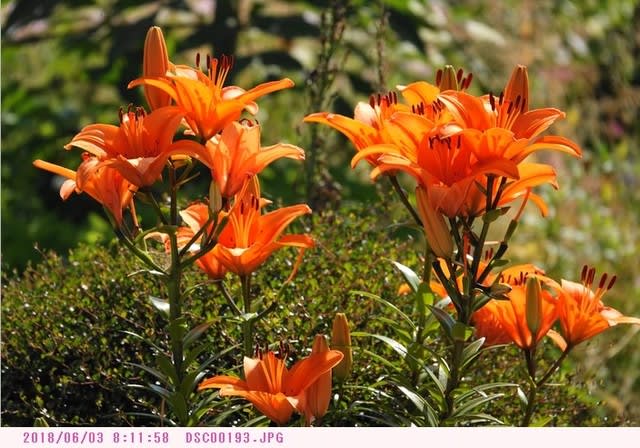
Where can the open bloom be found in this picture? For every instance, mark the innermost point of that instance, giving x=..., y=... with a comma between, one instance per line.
x=581, y=311
x=272, y=388
x=196, y=216
x=235, y=155
x=249, y=237
x=138, y=148
x=102, y=183
x=208, y=106
x=511, y=111
x=369, y=125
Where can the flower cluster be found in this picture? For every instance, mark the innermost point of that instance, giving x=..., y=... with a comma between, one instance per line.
x=467, y=153
x=120, y=162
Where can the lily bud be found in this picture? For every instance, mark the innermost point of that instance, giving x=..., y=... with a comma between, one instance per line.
x=533, y=305
x=318, y=395
x=155, y=63
x=215, y=198
x=448, y=79
x=518, y=86
x=341, y=340
x=435, y=227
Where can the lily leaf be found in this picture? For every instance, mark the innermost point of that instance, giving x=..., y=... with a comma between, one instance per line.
x=411, y=277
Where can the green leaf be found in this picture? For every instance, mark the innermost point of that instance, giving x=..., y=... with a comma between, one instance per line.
x=156, y=373
x=386, y=303
x=522, y=396
x=395, y=345
x=160, y=304
x=195, y=333
x=411, y=277
x=177, y=329
x=471, y=352
x=446, y=321
x=470, y=405
x=166, y=366
x=420, y=403
x=461, y=332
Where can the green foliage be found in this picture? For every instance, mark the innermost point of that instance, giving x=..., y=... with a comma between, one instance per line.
x=64, y=346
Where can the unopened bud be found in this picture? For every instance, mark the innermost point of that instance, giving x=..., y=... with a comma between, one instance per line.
x=318, y=395
x=517, y=88
x=341, y=340
x=435, y=228
x=533, y=305
x=448, y=79
x=215, y=198
x=155, y=63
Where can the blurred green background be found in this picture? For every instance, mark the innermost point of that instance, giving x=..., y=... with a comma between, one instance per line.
x=67, y=64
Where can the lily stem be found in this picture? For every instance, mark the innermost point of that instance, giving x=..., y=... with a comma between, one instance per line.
x=405, y=201
x=536, y=385
x=247, y=321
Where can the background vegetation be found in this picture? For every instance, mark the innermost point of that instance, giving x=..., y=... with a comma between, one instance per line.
x=66, y=64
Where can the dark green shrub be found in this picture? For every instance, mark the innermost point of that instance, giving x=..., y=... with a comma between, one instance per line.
x=65, y=349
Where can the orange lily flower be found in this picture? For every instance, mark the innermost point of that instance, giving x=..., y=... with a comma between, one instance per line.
x=236, y=155
x=102, y=183
x=511, y=111
x=446, y=168
x=208, y=106
x=138, y=148
x=249, y=237
x=272, y=388
x=155, y=62
x=369, y=125
x=581, y=311
x=196, y=216
x=502, y=321
x=529, y=175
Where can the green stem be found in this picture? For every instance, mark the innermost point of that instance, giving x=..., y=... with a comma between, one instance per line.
x=403, y=198
x=247, y=323
x=454, y=378
x=536, y=385
x=175, y=307
x=225, y=293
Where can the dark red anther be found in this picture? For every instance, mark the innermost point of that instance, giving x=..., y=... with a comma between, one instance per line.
x=372, y=101
x=467, y=82
x=603, y=280
x=523, y=108
x=612, y=282
x=517, y=101
x=459, y=75
x=492, y=101
x=583, y=275
x=438, y=76
x=510, y=108
x=198, y=60
x=501, y=98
